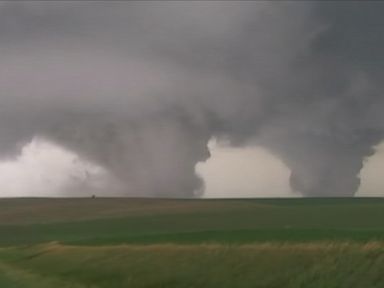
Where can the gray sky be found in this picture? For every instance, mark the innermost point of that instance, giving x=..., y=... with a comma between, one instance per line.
x=132, y=92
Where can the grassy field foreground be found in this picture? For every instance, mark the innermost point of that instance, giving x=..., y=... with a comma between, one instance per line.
x=191, y=243
x=171, y=265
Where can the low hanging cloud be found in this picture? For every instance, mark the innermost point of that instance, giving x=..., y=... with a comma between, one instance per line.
x=139, y=88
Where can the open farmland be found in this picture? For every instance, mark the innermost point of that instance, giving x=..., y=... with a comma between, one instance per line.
x=191, y=243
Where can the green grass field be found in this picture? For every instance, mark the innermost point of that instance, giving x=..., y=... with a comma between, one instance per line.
x=191, y=243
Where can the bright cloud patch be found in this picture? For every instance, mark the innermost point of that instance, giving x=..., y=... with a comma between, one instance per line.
x=44, y=169
x=244, y=172
x=372, y=182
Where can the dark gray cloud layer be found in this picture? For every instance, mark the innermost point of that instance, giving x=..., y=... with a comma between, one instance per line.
x=140, y=87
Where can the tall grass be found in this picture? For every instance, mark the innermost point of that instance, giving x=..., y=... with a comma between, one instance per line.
x=138, y=243
x=310, y=265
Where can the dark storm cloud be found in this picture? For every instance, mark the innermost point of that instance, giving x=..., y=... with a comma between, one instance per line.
x=140, y=87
